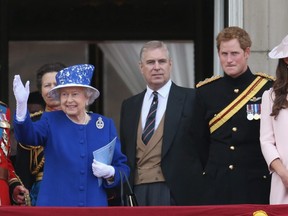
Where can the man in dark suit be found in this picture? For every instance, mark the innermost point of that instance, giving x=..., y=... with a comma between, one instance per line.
x=166, y=169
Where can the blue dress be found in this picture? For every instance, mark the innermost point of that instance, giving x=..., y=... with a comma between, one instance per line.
x=68, y=179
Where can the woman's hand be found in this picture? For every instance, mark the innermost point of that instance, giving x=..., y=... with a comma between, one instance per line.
x=21, y=95
x=281, y=170
x=284, y=177
x=102, y=170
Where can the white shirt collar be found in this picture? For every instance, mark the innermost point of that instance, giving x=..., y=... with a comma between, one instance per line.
x=163, y=92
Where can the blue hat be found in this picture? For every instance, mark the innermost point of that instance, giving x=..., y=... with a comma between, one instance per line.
x=75, y=76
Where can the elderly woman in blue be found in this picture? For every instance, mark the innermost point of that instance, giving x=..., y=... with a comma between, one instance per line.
x=72, y=176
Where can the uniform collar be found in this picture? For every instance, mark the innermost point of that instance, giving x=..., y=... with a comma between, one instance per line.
x=246, y=76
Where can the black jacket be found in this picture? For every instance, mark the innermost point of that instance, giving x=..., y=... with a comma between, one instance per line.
x=180, y=161
x=236, y=171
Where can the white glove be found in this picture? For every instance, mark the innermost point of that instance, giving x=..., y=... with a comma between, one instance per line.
x=21, y=95
x=102, y=170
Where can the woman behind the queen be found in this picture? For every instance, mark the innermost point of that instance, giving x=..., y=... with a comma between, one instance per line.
x=72, y=177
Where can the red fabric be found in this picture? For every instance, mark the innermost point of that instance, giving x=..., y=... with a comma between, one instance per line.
x=9, y=163
x=223, y=210
x=4, y=193
x=6, y=164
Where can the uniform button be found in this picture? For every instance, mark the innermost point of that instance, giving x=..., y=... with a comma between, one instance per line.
x=236, y=91
x=204, y=173
x=264, y=176
x=231, y=167
x=215, y=115
x=232, y=148
x=81, y=188
x=234, y=129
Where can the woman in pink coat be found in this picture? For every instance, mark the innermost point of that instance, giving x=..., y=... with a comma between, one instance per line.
x=274, y=126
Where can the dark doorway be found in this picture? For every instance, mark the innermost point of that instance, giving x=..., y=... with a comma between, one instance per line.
x=100, y=20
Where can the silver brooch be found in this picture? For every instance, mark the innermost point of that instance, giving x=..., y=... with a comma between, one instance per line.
x=99, y=123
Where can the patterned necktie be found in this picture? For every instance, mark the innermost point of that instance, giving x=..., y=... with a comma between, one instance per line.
x=150, y=121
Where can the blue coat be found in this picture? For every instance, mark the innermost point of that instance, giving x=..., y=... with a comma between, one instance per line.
x=68, y=178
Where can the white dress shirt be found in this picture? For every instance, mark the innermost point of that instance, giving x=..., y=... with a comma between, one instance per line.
x=162, y=103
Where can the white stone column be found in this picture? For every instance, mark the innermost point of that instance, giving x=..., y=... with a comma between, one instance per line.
x=218, y=26
x=235, y=16
x=235, y=13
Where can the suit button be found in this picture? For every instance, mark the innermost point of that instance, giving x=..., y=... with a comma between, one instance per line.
x=234, y=129
x=232, y=148
x=231, y=167
x=264, y=176
x=236, y=91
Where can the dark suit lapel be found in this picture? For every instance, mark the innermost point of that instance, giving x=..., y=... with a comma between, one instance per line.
x=172, y=116
x=135, y=113
x=134, y=118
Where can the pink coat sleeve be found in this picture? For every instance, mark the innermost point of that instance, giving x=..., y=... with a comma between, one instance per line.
x=267, y=135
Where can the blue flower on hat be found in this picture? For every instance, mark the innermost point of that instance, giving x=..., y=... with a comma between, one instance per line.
x=78, y=76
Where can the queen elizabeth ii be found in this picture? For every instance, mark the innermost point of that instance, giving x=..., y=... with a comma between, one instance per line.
x=72, y=176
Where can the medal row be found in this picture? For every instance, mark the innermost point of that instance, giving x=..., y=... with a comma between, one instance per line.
x=253, y=111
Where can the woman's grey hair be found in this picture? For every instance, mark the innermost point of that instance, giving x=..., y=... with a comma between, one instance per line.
x=89, y=93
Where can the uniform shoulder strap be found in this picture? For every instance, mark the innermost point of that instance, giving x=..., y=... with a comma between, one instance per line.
x=208, y=80
x=266, y=76
x=3, y=104
x=36, y=114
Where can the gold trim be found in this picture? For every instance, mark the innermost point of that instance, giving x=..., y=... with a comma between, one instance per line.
x=29, y=148
x=236, y=105
x=208, y=80
x=36, y=114
x=4, y=124
x=266, y=76
x=34, y=153
x=2, y=103
x=39, y=166
x=39, y=176
x=13, y=180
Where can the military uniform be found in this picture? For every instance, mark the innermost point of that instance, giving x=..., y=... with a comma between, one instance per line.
x=29, y=164
x=8, y=177
x=235, y=171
